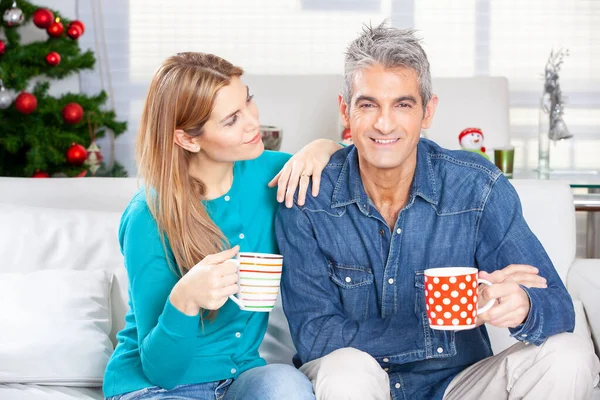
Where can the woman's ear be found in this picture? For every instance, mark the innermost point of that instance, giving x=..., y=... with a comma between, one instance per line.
x=185, y=141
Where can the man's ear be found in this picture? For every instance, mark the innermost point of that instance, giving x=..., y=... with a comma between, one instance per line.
x=344, y=109
x=185, y=141
x=429, y=111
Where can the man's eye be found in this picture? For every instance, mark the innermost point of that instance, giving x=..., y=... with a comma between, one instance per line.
x=366, y=105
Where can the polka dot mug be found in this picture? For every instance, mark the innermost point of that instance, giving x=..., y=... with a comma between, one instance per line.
x=451, y=298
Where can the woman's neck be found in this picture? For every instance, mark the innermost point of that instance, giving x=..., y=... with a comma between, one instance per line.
x=216, y=176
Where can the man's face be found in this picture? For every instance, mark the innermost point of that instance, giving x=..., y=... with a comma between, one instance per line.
x=386, y=116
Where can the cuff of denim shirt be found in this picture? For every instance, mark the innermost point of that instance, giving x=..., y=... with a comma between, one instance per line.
x=178, y=323
x=529, y=330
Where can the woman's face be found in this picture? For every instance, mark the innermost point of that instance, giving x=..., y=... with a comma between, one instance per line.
x=232, y=132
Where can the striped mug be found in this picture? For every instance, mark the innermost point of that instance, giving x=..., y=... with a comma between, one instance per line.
x=259, y=275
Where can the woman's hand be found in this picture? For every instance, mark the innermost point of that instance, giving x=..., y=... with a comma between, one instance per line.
x=208, y=284
x=297, y=172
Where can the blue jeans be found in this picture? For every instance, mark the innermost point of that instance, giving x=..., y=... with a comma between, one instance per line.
x=272, y=382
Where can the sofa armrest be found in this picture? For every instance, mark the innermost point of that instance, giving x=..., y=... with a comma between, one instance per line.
x=583, y=283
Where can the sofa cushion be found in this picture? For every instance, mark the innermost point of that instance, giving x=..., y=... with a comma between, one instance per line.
x=18, y=391
x=39, y=238
x=55, y=326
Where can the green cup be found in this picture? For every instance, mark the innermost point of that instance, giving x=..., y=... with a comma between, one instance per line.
x=504, y=159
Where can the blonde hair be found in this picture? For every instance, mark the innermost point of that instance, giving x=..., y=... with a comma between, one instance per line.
x=181, y=96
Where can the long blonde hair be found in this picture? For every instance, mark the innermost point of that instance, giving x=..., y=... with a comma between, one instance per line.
x=181, y=96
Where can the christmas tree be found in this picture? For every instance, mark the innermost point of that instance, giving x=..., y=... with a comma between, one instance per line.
x=42, y=135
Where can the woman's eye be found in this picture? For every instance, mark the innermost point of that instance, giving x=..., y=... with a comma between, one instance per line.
x=232, y=121
x=249, y=99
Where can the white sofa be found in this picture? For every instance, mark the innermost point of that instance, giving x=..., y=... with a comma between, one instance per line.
x=68, y=227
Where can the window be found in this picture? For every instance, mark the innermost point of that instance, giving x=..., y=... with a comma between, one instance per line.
x=511, y=38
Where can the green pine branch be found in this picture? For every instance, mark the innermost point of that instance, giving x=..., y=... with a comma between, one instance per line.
x=39, y=141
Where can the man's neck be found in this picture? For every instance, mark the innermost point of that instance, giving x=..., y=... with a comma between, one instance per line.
x=216, y=176
x=389, y=189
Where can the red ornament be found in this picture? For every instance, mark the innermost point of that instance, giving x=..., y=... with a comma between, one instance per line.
x=76, y=154
x=43, y=18
x=78, y=24
x=73, y=32
x=2, y=47
x=56, y=29
x=72, y=113
x=40, y=174
x=53, y=58
x=25, y=103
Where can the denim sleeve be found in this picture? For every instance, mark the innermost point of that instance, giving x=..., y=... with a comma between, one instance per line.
x=312, y=305
x=504, y=238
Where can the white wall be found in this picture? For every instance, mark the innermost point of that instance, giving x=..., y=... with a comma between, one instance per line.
x=304, y=106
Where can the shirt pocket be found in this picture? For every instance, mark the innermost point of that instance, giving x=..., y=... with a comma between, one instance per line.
x=438, y=343
x=356, y=288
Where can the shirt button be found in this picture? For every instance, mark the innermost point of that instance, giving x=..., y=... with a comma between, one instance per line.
x=386, y=369
x=233, y=370
x=348, y=279
x=397, y=386
x=398, y=231
x=381, y=232
x=242, y=236
x=526, y=343
x=524, y=335
x=227, y=198
x=391, y=281
x=238, y=335
x=386, y=360
x=440, y=350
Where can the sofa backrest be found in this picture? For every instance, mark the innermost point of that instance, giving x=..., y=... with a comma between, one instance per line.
x=93, y=207
x=72, y=224
x=549, y=212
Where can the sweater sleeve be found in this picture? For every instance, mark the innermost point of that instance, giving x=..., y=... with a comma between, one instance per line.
x=273, y=162
x=166, y=336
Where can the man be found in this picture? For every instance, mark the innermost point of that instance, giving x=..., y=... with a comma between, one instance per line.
x=392, y=206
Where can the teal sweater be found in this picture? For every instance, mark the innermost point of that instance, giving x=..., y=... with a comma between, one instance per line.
x=161, y=346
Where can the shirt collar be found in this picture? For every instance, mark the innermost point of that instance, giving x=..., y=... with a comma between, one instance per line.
x=349, y=188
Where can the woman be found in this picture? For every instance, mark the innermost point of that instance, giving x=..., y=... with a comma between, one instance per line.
x=200, y=151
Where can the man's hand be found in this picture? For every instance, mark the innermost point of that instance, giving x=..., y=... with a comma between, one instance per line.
x=512, y=303
x=525, y=275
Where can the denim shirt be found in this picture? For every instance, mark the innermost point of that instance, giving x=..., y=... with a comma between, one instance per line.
x=351, y=281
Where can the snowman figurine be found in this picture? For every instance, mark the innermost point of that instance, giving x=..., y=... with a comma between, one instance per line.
x=471, y=139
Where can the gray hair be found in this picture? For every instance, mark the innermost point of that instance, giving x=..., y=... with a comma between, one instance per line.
x=391, y=48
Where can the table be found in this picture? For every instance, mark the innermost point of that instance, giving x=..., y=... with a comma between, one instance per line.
x=589, y=180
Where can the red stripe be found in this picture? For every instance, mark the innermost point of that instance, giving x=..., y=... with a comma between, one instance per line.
x=257, y=299
x=260, y=286
x=262, y=272
x=261, y=265
x=274, y=257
